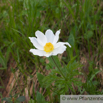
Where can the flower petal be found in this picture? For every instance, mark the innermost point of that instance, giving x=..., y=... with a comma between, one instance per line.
x=60, y=44
x=41, y=38
x=50, y=36
x=35, y=43
x=48, y=54
x=57, y=45
x=63, y=43
x=59, y=50
x=40, y=52
x=56, y=37
x=37, y=52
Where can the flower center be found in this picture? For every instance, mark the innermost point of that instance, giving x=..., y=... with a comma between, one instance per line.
x=48, y=47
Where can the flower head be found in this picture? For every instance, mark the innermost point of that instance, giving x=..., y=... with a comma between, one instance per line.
x=47, y=45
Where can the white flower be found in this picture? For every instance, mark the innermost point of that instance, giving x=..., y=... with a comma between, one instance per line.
x=47, y=45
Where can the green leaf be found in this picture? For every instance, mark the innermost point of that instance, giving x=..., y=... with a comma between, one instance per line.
x=40, y=98
x=88, y=34
x=48, y=67
x=95, y=72
x=3, y=61
x=31, y=101
x=71, y=61
x=21, y=98
x=54, y=61
x=40, y=78
x=7, y=100
x=1, y=87
x=9, y=50
x=71, y=40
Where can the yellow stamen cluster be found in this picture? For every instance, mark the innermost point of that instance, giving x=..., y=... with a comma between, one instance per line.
x=48, y=47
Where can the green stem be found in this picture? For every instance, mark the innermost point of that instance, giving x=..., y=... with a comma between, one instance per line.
x=58, y=68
